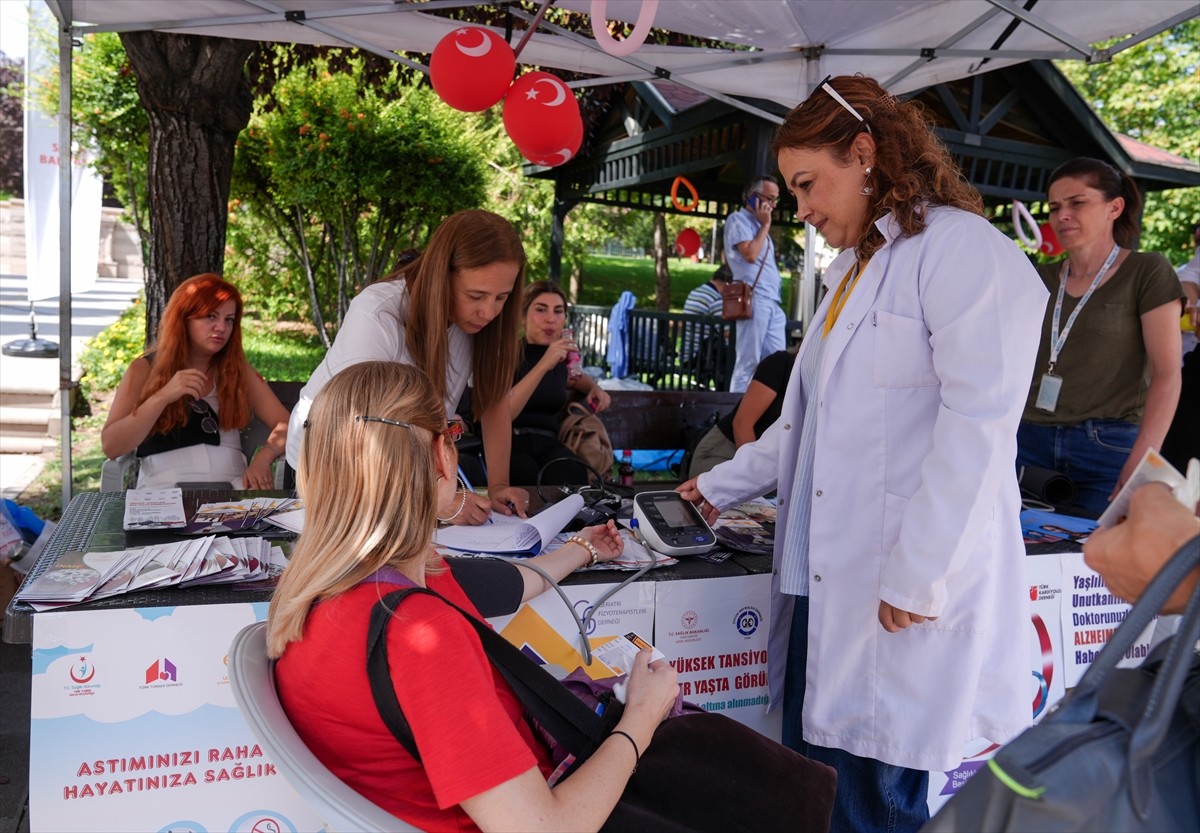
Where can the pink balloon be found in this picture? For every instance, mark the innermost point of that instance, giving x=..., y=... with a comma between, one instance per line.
x=687, y=243
x=471, y=68
x=542, y=118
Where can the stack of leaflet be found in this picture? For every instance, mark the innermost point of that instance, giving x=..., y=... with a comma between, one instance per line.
x=162, y=509
x=87, y=576
x=236, y=515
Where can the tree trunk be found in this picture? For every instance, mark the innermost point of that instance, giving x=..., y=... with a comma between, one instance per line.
x=662, y=275
x=198, y=100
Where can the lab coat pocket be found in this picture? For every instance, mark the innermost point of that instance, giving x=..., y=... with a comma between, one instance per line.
x=903, y=355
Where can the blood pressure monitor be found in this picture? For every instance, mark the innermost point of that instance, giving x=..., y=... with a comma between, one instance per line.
x=671, y=525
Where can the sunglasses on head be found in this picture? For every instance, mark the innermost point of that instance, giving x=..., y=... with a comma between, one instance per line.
x=836, y=96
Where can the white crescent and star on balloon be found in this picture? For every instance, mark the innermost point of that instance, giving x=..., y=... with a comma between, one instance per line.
x=560, y=92
x=479, y=50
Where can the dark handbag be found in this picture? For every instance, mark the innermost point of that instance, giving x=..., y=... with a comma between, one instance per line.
x=1118, y=754
x=703, y=772
x=737, y=297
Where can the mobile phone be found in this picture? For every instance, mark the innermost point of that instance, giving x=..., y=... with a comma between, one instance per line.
x=753, y=202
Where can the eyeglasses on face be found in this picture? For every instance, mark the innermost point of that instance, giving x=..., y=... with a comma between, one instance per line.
x=766, y=197
x=836, y=96
x=454, y=427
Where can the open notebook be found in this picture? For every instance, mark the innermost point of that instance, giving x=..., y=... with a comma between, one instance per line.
x=512, y=535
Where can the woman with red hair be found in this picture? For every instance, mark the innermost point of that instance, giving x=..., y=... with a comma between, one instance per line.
x=182, y=405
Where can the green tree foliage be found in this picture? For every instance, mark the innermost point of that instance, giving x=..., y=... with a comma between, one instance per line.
x=106, y=109
x=12, y=133
x=334, y=182
x=1150, y=92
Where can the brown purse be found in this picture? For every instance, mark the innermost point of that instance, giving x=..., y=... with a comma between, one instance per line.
x=737, y=297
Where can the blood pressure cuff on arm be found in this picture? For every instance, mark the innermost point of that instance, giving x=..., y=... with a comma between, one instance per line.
x=494, y=587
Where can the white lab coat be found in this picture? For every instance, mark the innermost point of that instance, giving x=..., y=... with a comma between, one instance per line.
x=915, y=499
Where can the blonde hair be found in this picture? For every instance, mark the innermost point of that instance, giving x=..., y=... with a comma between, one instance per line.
x=369, y=488
x=465, y=240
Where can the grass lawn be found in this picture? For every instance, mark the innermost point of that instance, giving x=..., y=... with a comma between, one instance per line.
x=605, y=278
x=288, y=352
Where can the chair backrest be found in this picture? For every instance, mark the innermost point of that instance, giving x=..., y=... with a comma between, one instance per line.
x=252, y=678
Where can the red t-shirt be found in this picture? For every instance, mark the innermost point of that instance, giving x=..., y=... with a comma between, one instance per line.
x=468, y=724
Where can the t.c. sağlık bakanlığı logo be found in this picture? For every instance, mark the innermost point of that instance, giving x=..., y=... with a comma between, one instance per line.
x=82, y=671
x=162, y=670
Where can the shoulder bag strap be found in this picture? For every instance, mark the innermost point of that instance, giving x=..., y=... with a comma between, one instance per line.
x=547, y=701
x=761, y=264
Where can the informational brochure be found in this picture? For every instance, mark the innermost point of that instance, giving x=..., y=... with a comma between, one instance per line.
x=154, y=509
x=511, y=535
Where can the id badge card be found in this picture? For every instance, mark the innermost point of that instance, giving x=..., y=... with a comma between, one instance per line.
x=1048, y=391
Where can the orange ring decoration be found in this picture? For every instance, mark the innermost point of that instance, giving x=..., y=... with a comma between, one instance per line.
x=675, y=195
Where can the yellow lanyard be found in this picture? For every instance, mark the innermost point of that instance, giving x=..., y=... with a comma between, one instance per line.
x=841, y=295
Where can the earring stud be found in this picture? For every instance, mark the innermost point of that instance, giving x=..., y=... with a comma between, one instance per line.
x=867, y=190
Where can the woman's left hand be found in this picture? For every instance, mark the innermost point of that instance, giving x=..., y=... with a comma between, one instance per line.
x=598, y=399
x=895, y=620
x=606, y=538
x=510, y=500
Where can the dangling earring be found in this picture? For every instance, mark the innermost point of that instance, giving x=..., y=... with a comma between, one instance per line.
x=461, y=503
x=867, y=189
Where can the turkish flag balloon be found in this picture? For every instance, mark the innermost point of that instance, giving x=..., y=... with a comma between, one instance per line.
x=562, y=155
x=542, y=118
x=1050, y=244
x=471, y=68
x=687, y=243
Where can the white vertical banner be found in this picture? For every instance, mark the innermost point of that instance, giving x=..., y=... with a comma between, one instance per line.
x=41, y=181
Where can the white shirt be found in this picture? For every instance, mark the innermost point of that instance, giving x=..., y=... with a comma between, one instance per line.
x=374, y=330
x=914, y=498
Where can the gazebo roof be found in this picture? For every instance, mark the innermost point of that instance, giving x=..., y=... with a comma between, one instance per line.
x=1008, y=128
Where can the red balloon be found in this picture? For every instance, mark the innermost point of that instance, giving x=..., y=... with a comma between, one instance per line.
x=471, y=68
x=542, y=118
x=687, y=243
x=1050, y=244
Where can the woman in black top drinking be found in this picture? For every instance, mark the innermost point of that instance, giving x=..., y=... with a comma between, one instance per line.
x=540, y=392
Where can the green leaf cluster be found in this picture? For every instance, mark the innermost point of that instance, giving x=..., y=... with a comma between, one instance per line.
x=107, y=355
x=1150, y=92
x=334, y=181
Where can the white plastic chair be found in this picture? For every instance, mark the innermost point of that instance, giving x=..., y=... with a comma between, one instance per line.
x=252, y=677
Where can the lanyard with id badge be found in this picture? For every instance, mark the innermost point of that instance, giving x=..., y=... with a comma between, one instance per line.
x=1051, y=385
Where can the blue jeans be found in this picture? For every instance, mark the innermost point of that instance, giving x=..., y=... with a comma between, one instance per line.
x=871, y=795
x=1091, y=453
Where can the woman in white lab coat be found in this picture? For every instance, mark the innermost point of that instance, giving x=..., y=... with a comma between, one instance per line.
x=900, y=612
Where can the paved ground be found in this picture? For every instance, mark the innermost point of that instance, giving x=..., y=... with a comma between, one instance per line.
x=91, y=312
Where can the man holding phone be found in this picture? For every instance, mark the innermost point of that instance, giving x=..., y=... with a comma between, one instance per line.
x=751, y=255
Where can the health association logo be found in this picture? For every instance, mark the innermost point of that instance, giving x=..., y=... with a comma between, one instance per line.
x=747, y=620
x=82, y=674
x=162, y=673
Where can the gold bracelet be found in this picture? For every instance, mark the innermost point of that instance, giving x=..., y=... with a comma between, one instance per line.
x=589, y=546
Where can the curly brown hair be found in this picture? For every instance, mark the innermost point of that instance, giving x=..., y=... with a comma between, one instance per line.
x=911, y=168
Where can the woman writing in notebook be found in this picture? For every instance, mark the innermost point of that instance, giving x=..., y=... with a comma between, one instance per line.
x=182, y=405
x=453, y=312
x=482, y=765
x=899, y=588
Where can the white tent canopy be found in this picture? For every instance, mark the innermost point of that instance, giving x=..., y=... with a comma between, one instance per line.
x=778, y=49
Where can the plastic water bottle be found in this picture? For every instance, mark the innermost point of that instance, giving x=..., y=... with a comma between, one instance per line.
x=625, y=471
x=574, y=360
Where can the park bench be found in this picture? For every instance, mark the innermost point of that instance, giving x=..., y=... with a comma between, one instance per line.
x=658, y=346
x=663, y=418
